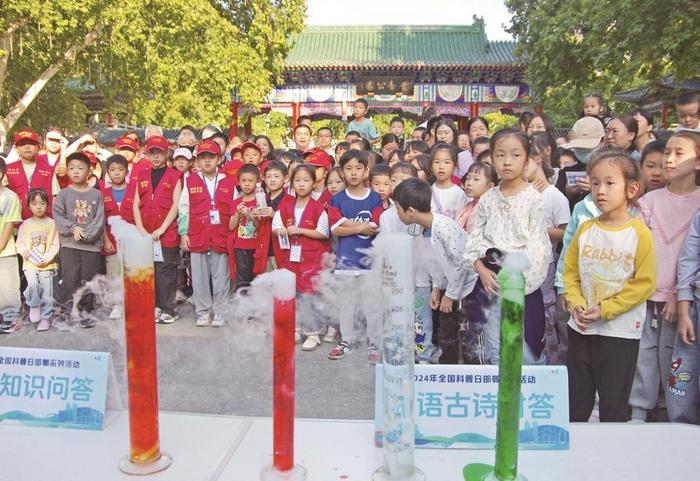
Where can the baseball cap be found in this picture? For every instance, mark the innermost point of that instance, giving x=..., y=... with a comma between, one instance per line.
x=91, y=157
x=26, y=136
x=250, y=145
x=182, y=152
x=586, y=133
x=318, y=158
x=157, y=142
x=208, y=146
x=126, y=143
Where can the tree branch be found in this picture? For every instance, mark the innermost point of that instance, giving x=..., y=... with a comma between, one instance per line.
x=5, y=42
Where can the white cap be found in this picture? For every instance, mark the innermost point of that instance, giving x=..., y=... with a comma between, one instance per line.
x=182, y=152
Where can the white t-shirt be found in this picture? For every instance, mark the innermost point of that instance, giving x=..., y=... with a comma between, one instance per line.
x=390, y=223
x=448, y=202
x=557, y=207
x=321, y=226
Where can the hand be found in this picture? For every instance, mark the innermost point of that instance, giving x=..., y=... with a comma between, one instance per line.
x=591, y=314
x=489, y=279
x=108, y=246
x=562, y=303
x=577, y=314
x=686, y=331
x=144, y=232
x=668, y=313
x=293, y=230
x=61, y=169
x=583, y=184
x=281, y=232
x=185, y=242
x=78, y=234
x=42, y=263
x=367, y=229
x=241, y=208
x=446, y=305
x=540, y=184
x=265, y=212
x=158, y=233
x=435, y=298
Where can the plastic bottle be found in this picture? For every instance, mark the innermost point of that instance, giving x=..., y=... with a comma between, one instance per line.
x=260, y=197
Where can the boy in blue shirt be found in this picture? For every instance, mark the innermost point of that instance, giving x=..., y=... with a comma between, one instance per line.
x=361, y=124
x=355, y=233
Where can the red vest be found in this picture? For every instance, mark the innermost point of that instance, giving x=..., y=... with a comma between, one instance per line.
x=111, y=209
x=231, y=169
x=312, y=250
x=18, y=183
x=203, y=235
x=325, y=198
x=263, y=241
x=154, y=205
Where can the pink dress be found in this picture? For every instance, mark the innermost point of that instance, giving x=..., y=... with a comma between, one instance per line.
x=466, y=216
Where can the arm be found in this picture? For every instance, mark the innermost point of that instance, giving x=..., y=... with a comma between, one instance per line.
x=22, y=247
x=277, y=225
x=53, y=247
x=571, y=228
x=183, y=213
x=137, y=213
x=556, y=233
x=6, y=234
x=172, y=213
x=13, y=216
x=475, y=246
x=455, y=267
x=571, y=275
x=60, y=216
x=538, y=250
x=95, y=228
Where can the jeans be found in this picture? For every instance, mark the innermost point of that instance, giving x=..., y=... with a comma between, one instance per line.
x=683, y=391
x=424, y=324
x=39, y=291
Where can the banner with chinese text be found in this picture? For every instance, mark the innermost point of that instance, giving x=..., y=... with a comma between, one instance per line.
x=456, y=407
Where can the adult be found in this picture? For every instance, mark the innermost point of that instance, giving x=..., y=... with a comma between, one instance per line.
x=265, y=144
x=645, y=129
x=302, y=137
x=477, y=127
x=187, y=137
x=620, y=132
x=324, y=139
x=540, y=123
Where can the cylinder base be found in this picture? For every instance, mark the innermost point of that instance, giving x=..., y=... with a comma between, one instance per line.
x=492, y=477
x=382, y=474
x=126, y=465
x=270, y=473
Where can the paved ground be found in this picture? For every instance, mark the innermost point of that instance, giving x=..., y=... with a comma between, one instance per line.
x=201, y=370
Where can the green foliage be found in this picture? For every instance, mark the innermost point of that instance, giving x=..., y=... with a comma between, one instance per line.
x=580, y=46
x=383, y=121
x=498, y=121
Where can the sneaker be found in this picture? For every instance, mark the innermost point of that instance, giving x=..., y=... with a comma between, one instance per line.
x=341, y=350
x=158, y=313
x=311, y=343
x=331, y=335
x=218, y=321
x=180, y=297
x=87, y=322
x=202, y=321
x=297, y=336
x=34, y=314
x=116, y=312
x=166, y=318
x=44, y=325
x=8, y=327
x=373, y=355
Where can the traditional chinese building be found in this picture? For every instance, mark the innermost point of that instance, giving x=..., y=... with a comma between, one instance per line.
x=398, y=69
x=658, y=97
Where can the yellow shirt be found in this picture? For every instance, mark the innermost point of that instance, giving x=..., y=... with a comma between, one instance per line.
x=37, y=239
x=10, y=213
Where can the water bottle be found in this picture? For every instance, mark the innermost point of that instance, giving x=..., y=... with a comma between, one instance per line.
x=260, y=197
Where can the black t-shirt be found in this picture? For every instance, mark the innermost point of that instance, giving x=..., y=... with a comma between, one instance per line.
x=157, y=175
x=561, y=183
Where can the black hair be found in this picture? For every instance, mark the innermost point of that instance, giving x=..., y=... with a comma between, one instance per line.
x=302, y=118
x=353, y=132
x=3, y=165
x=399, y=153
x=631, y=125
x=353, y=154
x=258, y=137
x=548, y=127
x=481, y=140
x=309, y=169
x=655, y=146
x=379, y=170
x=542, y=140
x=424, y=161
x=325, y=128
x=338, y=171
x=80, y=157
x=342, y=145
x=418, y=146
x=277, y=165
x=444, y=146
x=413, y=193
x=425, y=136
x=280, y=154
x=54, y=129
x=449, y=123
x=524, y=119
x=519, y=136
x=388, y=139
x=397, y=119
x=134, y=132
x=428, y=113
x=474, y=120
x=600, y=99
x=302, y=126
x=566, y=153
x=249, y=169
x=374, y=158
x=538, y=145
x=219, y=135
x=364, y=144
x=117, y=159
x=485, y=168
x=644, y=113
x=420, y=129
x=687, y=98
x=362, y=101
x=403, y=168
x=621, y=159
x=482, y=156
x=37, y=192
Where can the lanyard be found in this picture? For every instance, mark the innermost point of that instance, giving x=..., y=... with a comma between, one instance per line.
x=206, y=185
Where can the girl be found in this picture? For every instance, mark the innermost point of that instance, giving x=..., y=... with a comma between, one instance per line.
x=510, y=218
x=621, y=132
x=479, y=178
x=652, y=173
x=422, y=164
x=390, y=143
x=340, y=149
x=416, y=147
x=594, y=106
x=334, y=181
x=37, y=243
x=668, y=213
x=304, y=222
x=395, y=157
x=609, y=271
x=557, y=214
x=445, y=131
x=463, y=140
x=448, y=198
x=477, y=127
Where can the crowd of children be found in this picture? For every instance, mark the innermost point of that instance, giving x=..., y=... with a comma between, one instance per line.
x=607, y=216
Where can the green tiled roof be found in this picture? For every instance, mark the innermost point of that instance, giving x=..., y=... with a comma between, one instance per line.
x=396, y=45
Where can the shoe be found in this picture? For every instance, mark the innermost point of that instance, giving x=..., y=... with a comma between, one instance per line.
x=373, y=355
x=8, y=327
x=158, y=313
x=87, y=323
x=297, y=336
x=203, y=320
x=341, y=350
x=44, y=325
x=311, y=343
x=116, y=312
x=180, y=297
x=34, y=314
x=166, y=318
x=218, y=321
x=331, y=335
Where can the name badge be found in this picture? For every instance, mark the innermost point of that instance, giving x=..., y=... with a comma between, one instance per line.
x=157, y=252
x=214, y=218
x=295, y=254
x=284, y=241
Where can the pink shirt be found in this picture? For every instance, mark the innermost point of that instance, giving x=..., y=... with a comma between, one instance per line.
x=466, y=216
x=668, y=216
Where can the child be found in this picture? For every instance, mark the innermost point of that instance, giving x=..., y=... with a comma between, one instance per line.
x=417, y=133
x=37, y=243
x=414, y=148
x=463, y=140
x=448, y=198
x=117, y=170
x=594, y=106
x=80, y=219
x=304, y=223
x=361, y=124
x=510, y=218
x=10, y=215
x=182, y=160
x=396, y=127
x=334, y=181
x=609, y=271
x=688, y=111
x=322, y=162
x=250, y=238
x=395, y=157
x=447, y=239
x=380, y=182
x=276, y=177
x=668, y=213
x=340, y=149
x=129, y=149
x=157, y=193
x=479, y=145
x=479, y=178
x=389, y=143
x=652, y=172
x=355, y=233
x=203, y=227
x=252, y=154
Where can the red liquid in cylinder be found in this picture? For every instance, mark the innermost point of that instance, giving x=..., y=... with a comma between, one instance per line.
x=142, y=369
x=283, y=380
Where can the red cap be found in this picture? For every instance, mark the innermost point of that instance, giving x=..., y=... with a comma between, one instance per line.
x=26, y=136
x=318, y=158
x=157, y=142
x=250, y=145
x=127, y=143
x=90, y=156
x=208, y=146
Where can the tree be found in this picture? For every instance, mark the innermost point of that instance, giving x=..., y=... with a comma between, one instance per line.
x=168, y=62
x=578, y=46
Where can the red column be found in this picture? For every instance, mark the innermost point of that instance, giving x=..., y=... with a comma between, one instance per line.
x=462, y=122
x=664, y=115
x=296, y=109
x=474, y=109
x=233, y=130
x=248, y=129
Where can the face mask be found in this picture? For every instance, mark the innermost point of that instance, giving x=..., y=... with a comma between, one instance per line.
x=583, y=155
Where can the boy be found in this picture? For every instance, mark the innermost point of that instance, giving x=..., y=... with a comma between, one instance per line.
x=396, y=127
x=361, y=124
x=10, y=215
x=688, y=111
x=80, y=221
x=182, y=160
x=128, y=148
x=276, y=177
x=349, y=214
x=380, y=181
x=447, y=239
x=324, y=139
x=117, y=171
x=251, y=232
x=417, y=133
x=203, y=227
x=323, y=162
x=156, y=195
x=31, y=171
x=251, y=153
